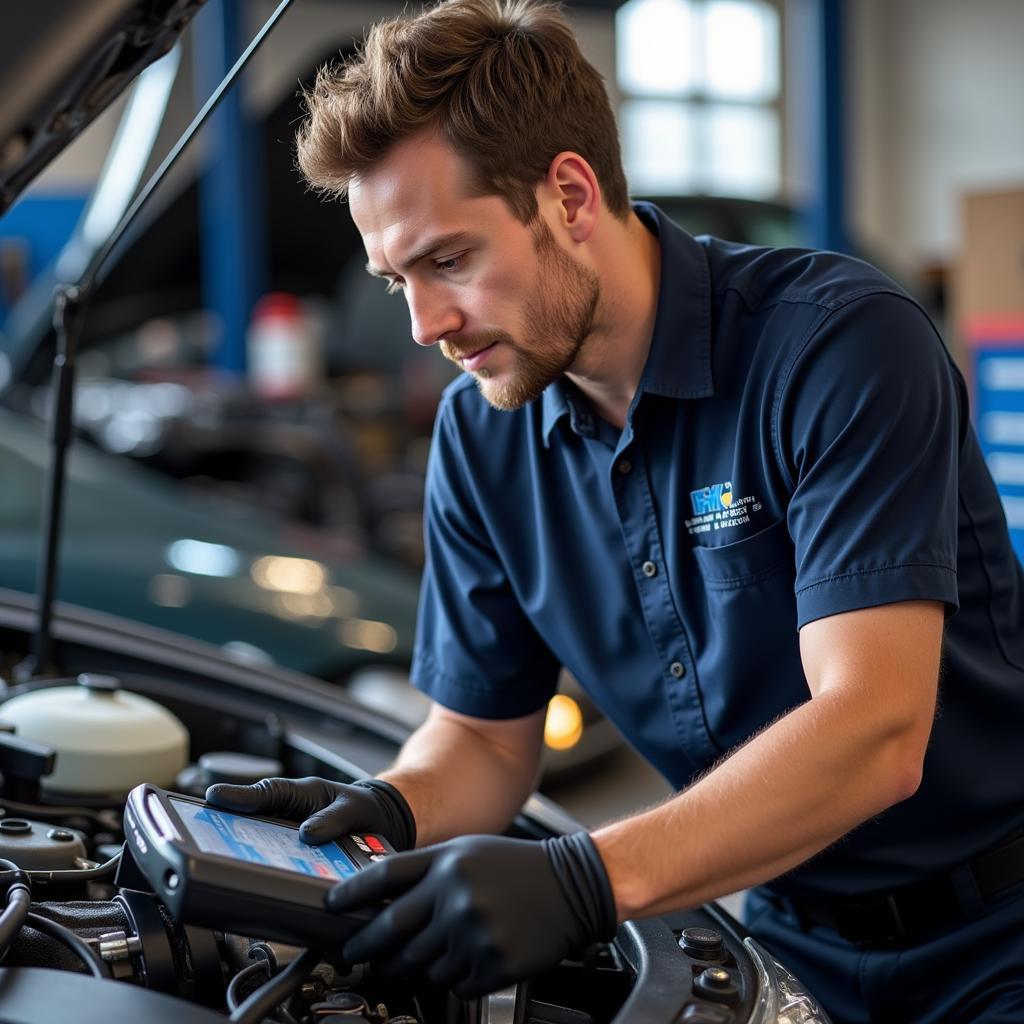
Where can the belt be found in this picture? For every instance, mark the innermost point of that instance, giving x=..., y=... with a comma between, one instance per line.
x=913, y=913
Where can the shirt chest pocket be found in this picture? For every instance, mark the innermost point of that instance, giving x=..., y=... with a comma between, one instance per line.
x=748, y=657
x=746, y=562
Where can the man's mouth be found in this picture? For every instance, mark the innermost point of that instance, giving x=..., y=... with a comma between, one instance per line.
x=476, y=359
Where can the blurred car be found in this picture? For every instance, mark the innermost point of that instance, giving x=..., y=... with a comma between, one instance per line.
x=143, y=547
x=140, y=546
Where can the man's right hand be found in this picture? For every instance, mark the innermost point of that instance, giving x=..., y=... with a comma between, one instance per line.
x=326, y=809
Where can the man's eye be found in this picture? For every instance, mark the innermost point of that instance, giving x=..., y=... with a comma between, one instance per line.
x=450, y=264
x=394, y=287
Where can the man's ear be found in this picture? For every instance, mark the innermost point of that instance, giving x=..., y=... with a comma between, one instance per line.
x=572, y=186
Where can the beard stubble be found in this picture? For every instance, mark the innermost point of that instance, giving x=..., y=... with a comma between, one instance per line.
x=559, y=315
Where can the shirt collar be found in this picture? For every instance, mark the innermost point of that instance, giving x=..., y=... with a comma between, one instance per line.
x=556, y=402
x=679, y=362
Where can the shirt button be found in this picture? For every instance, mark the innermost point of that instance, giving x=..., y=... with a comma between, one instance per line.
x=625, y=466
x=649, y=569
x=678, y=669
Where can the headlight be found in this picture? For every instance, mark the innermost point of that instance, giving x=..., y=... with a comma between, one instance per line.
x=781, y=999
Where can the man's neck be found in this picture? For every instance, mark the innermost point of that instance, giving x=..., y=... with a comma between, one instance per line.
x=611, y=362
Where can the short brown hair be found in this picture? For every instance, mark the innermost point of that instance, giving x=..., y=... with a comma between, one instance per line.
x=503, y=81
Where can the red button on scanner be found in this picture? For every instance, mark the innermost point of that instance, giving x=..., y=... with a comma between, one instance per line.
x=374, y=844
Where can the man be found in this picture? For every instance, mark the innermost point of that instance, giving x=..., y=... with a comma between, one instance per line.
x=736, y=492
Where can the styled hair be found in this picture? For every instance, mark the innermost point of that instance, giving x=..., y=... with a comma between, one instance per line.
x=502, y=81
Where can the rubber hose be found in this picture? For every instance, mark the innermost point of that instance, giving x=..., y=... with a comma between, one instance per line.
x=19, y=899
x=277, y=990
x=236, y=984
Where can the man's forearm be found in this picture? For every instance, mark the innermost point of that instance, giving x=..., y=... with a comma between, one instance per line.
x=459, y=779
x=787, y=794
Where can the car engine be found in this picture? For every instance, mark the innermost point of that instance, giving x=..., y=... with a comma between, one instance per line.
x=96, y=943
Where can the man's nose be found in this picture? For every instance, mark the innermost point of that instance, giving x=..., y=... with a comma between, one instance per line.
x=433, y=316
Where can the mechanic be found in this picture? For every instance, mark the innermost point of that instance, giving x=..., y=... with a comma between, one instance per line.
x=735, y=491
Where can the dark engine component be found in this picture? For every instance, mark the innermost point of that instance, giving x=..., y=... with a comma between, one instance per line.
x=41, y=996
x=87, y=920
x=137, y=940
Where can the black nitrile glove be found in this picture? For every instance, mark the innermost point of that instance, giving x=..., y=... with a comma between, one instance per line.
x=479, y=912
x=326, y=809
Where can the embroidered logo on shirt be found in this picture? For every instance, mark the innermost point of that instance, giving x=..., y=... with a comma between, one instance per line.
x=711, y=499
x=715, y=508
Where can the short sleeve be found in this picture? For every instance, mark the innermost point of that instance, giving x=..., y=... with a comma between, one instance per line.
x=476, y=651
x=868, y=429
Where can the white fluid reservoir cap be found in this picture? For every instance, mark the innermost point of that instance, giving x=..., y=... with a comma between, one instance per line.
x=107, y=739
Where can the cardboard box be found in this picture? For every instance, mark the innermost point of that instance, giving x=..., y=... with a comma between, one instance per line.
x=989, y=283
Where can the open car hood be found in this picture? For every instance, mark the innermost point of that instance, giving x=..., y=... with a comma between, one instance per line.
x=62, y=62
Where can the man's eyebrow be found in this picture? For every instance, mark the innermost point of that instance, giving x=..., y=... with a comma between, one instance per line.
x=425, y=250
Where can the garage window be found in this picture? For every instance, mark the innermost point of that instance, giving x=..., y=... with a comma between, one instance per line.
x=700, y=86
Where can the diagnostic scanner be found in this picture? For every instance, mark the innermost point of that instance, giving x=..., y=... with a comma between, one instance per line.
x=243, y=874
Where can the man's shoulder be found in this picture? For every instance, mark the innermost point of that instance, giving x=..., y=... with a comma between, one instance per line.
x=764, y=277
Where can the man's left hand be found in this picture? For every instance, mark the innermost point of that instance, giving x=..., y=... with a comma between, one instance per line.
x=480, y=912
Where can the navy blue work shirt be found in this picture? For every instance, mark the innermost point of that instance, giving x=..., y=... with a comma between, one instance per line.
x=799, y=446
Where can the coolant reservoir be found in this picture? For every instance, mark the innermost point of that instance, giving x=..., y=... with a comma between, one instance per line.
x=107, y=739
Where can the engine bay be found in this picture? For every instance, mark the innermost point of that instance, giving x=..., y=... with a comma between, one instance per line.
x=96, y=942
